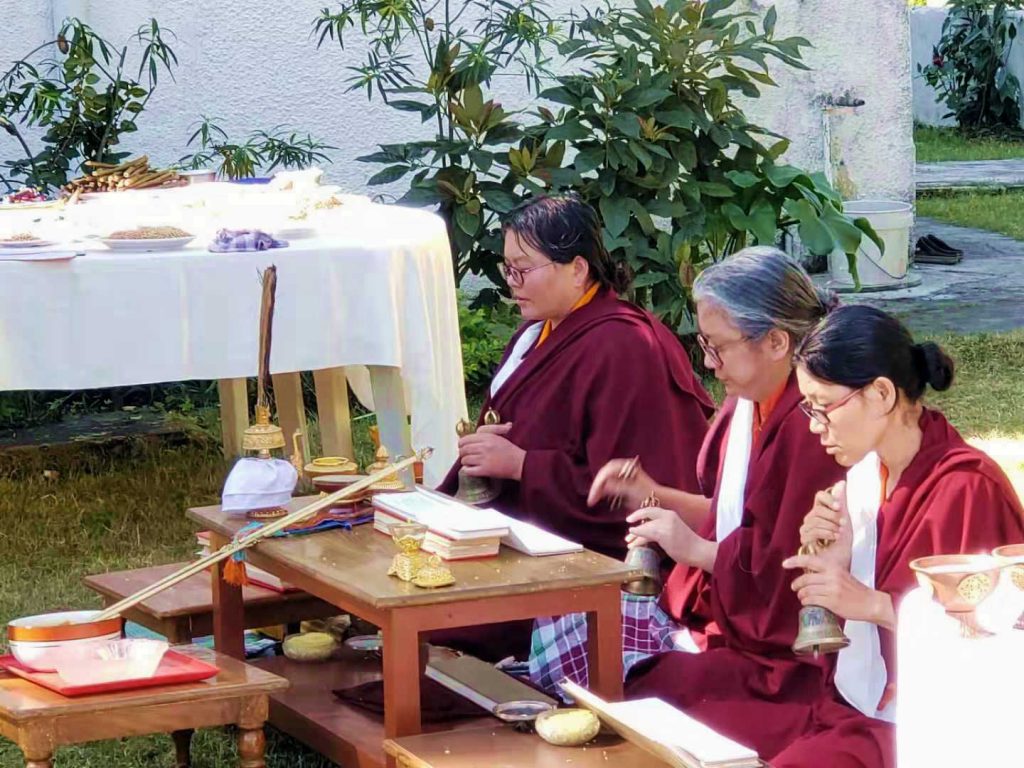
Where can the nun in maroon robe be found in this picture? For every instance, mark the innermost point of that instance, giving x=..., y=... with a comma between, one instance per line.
x=743, y=614
x=587, y=378
x=914, y=488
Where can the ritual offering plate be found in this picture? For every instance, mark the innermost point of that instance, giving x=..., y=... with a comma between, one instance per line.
x=25, y=240
x=521, y=714
x=372, y=644
x=567, y=727
x=330, y=465
x=332, y=483
x=148, y=239
x=173, y=668
x=37, y=641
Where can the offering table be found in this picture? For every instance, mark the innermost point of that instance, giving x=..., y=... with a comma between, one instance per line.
x=39, y=720
x=349, y=569
x=367, y=300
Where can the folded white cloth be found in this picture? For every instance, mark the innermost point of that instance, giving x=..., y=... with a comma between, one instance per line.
x=258, y=484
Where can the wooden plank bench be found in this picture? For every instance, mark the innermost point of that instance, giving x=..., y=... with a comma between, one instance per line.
x=185, y=612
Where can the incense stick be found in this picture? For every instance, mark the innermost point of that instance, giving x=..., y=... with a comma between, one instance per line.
x=256, y=536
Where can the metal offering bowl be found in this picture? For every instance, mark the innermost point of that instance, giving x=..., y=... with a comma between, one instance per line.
x=959, y=583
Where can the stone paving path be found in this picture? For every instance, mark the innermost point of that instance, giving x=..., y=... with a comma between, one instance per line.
x=966, y=174
x=983, y=293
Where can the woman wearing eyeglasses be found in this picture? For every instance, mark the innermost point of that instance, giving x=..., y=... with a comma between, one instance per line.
x=728, y=601
x=914, y=488
x=588, y=377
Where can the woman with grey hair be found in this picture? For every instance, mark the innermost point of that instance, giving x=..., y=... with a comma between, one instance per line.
x=728, y=600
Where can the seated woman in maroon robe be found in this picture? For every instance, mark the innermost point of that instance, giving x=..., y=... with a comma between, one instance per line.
x=588, y=377
x=914, y=488
x=728, y=599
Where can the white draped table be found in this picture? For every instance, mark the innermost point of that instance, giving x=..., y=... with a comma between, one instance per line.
x=375, y=288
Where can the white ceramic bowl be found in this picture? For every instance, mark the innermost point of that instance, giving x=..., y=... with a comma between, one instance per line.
x=109, y=661
x=36, y=641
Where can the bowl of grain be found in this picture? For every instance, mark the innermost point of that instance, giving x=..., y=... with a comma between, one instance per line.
x=148, y=239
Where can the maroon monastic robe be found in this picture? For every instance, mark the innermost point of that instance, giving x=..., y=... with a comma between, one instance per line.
x=746, y=604
x=951, y=499
x=611, y=381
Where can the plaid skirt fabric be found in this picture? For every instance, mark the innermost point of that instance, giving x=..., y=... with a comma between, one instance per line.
x=558, y=649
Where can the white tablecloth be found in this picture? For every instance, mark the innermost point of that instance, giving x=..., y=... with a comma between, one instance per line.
x=958, y=697
x=378, y=290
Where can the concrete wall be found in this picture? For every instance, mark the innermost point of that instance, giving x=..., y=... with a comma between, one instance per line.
x=925, y=33
x=254, y=65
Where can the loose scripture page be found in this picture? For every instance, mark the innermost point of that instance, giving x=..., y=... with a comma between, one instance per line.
x=667, y=725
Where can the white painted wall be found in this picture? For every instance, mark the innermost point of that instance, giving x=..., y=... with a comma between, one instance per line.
x=254, y=65
x=925, y=33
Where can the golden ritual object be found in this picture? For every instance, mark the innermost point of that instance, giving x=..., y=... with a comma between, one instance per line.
x=647, y=560
x=476, y=490
x=819, y=628
x=391, y=482
x=959, y=583
x=331, y=465
x=263, y=436
x=433, y=574
x=408, y=537
x=413, y=565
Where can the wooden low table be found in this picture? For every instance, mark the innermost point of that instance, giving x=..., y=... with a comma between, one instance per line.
x=501, y=746
x=349, y=569
x=185, y=611
x=39, y=720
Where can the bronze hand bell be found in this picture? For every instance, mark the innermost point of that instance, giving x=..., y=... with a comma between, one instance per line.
x=477, y=490
x=819, y=628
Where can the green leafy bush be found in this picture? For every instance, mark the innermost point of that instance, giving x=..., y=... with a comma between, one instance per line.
x=485, y=332
x=969, y=69
x=82, y=91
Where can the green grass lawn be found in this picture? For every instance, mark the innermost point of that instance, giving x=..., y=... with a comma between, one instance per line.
x=940, y=144
x=994, y=211
x=121, y=506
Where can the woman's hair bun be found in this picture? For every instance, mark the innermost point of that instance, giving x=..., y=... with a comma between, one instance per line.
x=937, y=368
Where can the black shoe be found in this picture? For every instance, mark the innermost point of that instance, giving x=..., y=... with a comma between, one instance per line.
x=932, y=250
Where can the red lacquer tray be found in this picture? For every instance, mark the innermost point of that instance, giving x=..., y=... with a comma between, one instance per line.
x=174, y=668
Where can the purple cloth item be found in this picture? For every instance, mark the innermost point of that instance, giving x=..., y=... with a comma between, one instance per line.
x=244, y=240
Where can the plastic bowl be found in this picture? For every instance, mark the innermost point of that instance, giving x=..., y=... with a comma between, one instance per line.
x=35, y=641
x=110, y=661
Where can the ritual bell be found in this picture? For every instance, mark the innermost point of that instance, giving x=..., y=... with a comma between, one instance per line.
x=819, y=630
x=476, y=490
x=648, y=561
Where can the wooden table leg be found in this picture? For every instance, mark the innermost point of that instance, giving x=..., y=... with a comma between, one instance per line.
x=182, y=749
x=252, y=742
x=402, y=669
x=37, y=743
x=392, y=419
x=604, y=645
x=234, y=414
x=333, y=412
x=291, y=410
x=228, y=609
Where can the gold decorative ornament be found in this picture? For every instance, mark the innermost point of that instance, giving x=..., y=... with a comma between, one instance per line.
x=819, y=631
x=476, y=490
x=408, y=537
x=391, y=482
x=974, y=588
x=433, y=574
x=960, y=583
